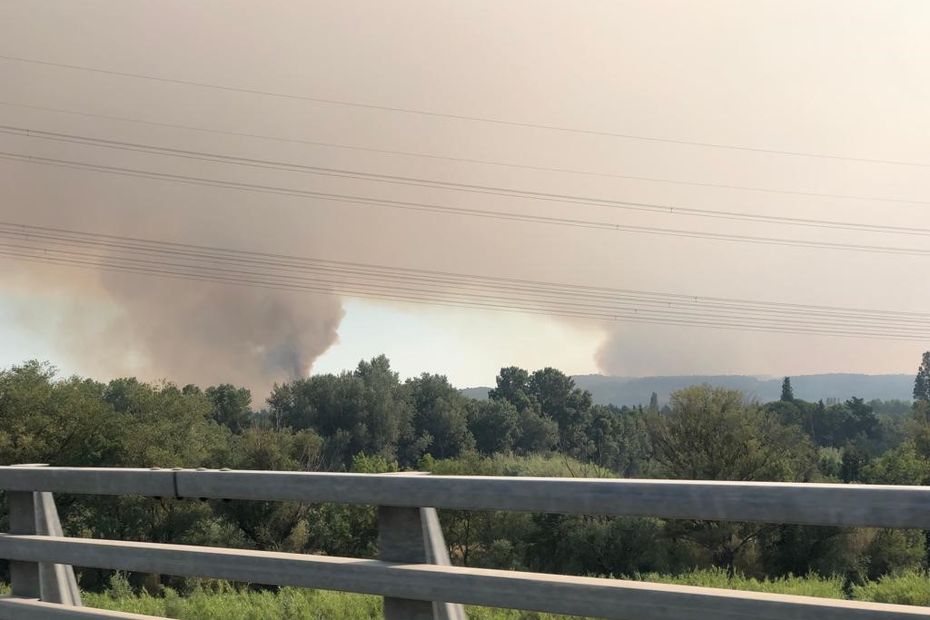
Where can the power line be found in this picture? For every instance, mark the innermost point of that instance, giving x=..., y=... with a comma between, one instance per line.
x=43, y=256
x=664, y=209
x=444, y=279
x=491, y=296
x=231, y=270
x=28, y=231
x=463, y=211
x=459, y=117
x=468, y=160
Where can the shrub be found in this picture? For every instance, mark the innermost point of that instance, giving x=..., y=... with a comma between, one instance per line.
x=907, y=588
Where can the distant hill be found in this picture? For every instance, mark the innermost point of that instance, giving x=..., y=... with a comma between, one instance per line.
x=481, y=393
x=637, y=390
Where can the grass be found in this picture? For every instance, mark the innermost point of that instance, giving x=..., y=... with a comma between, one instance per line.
x=227, y=603
x=286, y=604
x=909, y=588
x=812, y=585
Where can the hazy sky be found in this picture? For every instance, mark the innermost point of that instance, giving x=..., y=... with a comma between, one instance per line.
x=840, y=77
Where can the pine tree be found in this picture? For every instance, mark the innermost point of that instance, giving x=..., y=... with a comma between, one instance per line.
x=787, y=393
x=654, y=402
x=922, y=380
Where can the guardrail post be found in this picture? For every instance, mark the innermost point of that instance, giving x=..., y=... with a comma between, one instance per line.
x=437, y=553
x=414, y=536
x=57, y=581
x=400, y=535
x=24, y=576
x=34, y=512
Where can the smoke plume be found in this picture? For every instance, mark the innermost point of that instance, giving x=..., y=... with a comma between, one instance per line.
x=106, y=323
x=212, y=333
x=204, y=333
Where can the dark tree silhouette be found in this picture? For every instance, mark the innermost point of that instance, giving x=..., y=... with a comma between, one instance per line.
x=922, y=380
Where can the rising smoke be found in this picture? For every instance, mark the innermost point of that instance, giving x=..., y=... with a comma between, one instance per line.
x=104, y=323
x=107, y=324
x=159, y=328
x=210, y=333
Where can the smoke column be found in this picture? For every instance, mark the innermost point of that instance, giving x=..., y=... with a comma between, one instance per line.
x=107, y=323
x=188, y=332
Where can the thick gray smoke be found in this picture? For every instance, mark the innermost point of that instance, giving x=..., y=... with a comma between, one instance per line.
x=187, y=332
x=105, y=323
x=210, y=333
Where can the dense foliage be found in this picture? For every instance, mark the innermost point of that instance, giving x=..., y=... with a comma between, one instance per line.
x=535, y=423
x=218, y=600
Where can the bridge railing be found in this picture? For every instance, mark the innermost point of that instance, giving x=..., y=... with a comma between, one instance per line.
x=408, y=574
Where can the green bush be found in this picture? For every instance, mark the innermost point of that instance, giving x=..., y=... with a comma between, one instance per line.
x=812, y=585
x=284, y=604
x=223, y=601
x=907, y=588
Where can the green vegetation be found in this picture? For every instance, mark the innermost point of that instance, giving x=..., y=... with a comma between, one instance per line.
x=533, y=424
x=909, y=588
x=213, y=600
x=229, y=604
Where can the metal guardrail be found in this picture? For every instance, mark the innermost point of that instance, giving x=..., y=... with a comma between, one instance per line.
x=767, y=502
x=408, y=574
x=30, y=609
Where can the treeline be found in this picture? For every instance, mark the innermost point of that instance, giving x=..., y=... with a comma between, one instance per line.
x=532, y=424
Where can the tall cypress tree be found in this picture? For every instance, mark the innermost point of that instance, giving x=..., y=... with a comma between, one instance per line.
x=922, y=380
x=654, y=402
x=787, y=393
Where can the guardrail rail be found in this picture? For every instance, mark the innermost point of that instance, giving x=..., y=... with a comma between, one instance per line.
x=413, y=573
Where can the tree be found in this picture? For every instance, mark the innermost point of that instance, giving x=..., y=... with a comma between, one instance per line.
x=922, y=380
x=164, y=427
x=60, y=422
x=546, y=401
x=277, y=525
x=712, y=434
x=787, y=393
x=837, y=425
x=918, y=427
x=495, y=425
x=559, y=399
x=654, y=402
x=512, y=386
x=365, y=411
x=439, y=412
x=855, y=460
x=613, y=438
x=231, y=406
x=900, y=465
x=537, y=433
x=862, y=421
